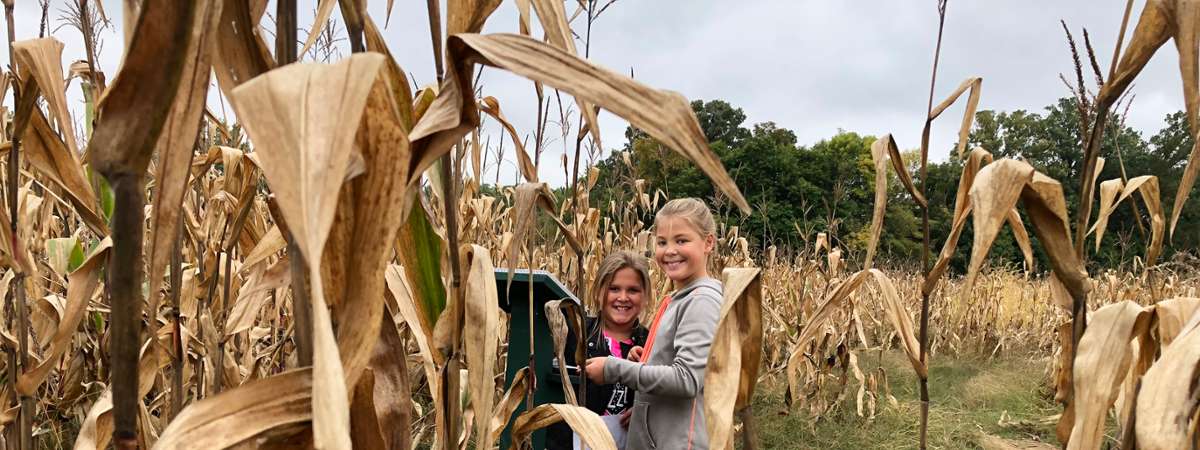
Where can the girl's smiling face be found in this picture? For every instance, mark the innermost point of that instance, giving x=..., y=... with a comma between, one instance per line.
x=681, y=250
x=623, y=299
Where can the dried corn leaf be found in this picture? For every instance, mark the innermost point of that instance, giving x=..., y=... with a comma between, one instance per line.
x=82, y=284
x=1101, y=364
x=481, y=333
x=304, y=156
x=432, y=358
x=468, y=16
x=1150, y=196
x=901, y=320
x=377, y=216
x=1162, y=20
x=491, y=106
x=96, y=430
x=45, y=151
x=241, y=413
x=558, y=333
x=1147, y=186
x=584, y=422
x=1173, y=314
x=267, y=246
x=324, y=10
x=974, y=163
x=509, y=403
x=962, y=208
x=736, y=354
x=993, y=194
x=40, y=60
x=1096, y=174
x=964, y=130
x=1059, y=294
x=832, y=303
x=1144, y=348
x=665, y=116
x=989, y=442
x=365, y=430
x=558, y=31
x=893, y=153
x=879, y=157
x=397, y=81
x=133, y=111
x=1167, y=401
x=1109, y=190
x=1185, y=184
x=254, y=293
x=1022, y=237
x=399, y=289
x=393, y=404
x=527, y=198
x=175, y=145
x=1046, y=208
x=286, y=112
x=882, y=150
x=239, y=53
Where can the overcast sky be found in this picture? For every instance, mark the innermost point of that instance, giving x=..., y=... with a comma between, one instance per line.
x=810, y=66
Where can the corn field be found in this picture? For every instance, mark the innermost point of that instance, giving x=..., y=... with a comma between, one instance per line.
x=320, y=273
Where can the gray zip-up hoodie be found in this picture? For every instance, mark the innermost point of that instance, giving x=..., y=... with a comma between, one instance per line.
x=669, y=407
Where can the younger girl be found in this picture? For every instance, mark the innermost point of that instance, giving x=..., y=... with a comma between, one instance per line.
x=622, y=281
x=668, y=412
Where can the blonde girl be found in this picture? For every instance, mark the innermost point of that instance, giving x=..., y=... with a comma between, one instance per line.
x=668, y=412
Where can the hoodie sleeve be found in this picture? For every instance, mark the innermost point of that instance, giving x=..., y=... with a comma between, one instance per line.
x=693, y=339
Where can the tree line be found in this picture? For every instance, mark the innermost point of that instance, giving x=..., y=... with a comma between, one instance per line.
x=799, y=190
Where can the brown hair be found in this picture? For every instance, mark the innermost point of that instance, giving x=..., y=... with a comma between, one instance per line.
x=694, y=211
x=612, y=264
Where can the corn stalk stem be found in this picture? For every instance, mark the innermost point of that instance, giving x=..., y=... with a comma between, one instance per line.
x=285, y=31
x=1112, y=66
x=301, y=304
x=223, y=317
x=20, y=357
x=125, y=284
x=749, y=429
x=285, y=52
x=580, y=211
x=1090, y=153
x=923, y=381
x=352, y=15
x=450, y=376
x=177, y=338
x=85, y=22
x=435, y=34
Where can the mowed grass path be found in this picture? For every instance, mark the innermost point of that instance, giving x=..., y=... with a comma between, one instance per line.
x=968, y=397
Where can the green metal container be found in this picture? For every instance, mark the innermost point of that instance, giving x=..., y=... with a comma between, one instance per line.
x=515, y=302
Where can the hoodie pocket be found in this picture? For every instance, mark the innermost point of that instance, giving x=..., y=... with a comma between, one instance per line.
x=639, y=423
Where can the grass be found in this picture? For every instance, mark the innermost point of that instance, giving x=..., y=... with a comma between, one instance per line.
x=969, y=397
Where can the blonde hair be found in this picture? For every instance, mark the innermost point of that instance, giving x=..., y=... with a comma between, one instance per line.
x=612, y=264
x=694, y=211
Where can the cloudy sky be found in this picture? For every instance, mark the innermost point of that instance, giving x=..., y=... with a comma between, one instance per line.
x=810, y=66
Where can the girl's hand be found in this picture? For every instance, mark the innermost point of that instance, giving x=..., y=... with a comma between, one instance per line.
x=595, y=369
x=635, y=353
x=625, y=417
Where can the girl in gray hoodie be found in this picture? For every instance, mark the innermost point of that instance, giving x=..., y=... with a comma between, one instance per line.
x=668, y=374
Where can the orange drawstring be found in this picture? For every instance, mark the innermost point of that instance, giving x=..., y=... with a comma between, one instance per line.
x=662, y=308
